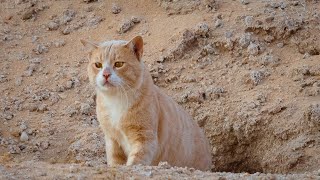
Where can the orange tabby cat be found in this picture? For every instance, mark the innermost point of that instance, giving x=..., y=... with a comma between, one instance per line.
x=141, y=124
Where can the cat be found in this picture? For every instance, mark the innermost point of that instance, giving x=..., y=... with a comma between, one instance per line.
x=141, y=124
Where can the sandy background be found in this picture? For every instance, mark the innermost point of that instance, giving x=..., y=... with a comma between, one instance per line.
x=247, y=71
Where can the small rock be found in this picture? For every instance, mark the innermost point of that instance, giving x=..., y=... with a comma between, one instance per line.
x=202, y=29
x=28, y=14
x=253, y=49
x=164, y=165
x=218, y=23
x=256, y=77
x=115, y=9
x=135, y=19
x=245, y=2
x=14, y=149
x=23, y=126
x=125, y=26
x=244, y=40
x=59, y=43
x=18, y=81
x=30, y=69
x=248, y=20
x=69, y=84
x=53, y=26
x=280, y=45
x=67, y=30
x=68, y=16
x=85, y=109
x=89, y=1
x=93, y=21
x=40, y=49
x=35, y=60
x=268, y=38
x=306, y=55
x=269, y=19
x=45, y=145
x=24, y=136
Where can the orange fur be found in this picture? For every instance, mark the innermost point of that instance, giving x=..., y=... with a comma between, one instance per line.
x=141, y=124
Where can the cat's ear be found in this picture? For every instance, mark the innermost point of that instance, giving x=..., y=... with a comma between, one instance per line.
x=89, y=45
x=136, y=45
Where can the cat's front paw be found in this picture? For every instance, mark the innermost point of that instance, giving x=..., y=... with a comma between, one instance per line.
x=134, y=160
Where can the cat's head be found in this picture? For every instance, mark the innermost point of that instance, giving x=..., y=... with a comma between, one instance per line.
x=115, y=65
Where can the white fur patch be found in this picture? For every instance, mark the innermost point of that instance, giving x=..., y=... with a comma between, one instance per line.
x=116, y=105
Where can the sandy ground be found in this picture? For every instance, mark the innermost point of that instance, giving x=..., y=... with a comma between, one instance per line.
x=247, y=71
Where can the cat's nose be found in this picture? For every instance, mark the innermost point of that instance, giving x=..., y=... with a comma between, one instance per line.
x=106, y=74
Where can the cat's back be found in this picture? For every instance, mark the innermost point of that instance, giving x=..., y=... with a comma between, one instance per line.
x=182, y=140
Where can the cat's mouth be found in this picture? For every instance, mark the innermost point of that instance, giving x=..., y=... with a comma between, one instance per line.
x=107, y=84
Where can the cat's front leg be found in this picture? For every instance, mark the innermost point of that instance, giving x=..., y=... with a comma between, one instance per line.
x=115, y=154
x=142, y=152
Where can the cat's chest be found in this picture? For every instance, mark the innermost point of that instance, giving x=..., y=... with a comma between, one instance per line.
x=115, y=109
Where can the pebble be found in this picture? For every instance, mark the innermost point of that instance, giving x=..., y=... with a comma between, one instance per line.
x=66, y=31
x=85, y=108
x=28, y=14
x=253, y=49
x=202, y=29
x=248, y=20
x=245, y=2
x=53, y=26
x=125, y=26
x=115, y=9
x=256, y=77
x=24, y=136
x=23, y=126
x=218, y=23
x=280, y=45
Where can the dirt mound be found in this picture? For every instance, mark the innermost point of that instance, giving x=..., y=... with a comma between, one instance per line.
x=247, y=71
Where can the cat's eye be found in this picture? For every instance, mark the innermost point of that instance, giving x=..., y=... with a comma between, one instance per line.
x=118, y=64
x=98, y=65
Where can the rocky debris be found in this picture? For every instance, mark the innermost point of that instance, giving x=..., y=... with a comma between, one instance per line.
x=187, y=6
x=245, y=2
x=85, y=109
x=3, y=78
x=248, y=20
x=94, y=20
x=187, y=42
x=14, y=149
x=28, y=14
x=89, y=1
x=67, y=30
x=70, y=111
x=52, y=26
x=87, y=148
x=202, y=30
x=256, y=77
x=116, y=9
x=245, y=40
x=30, y=70
x=270, y=59
x=68, y=16
x=24, y=136
x=59, y=43
x=127, y=24
x=41, y=48
x=35, y=60
x=218, y=23
x=313, y=114
x=253, y=49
